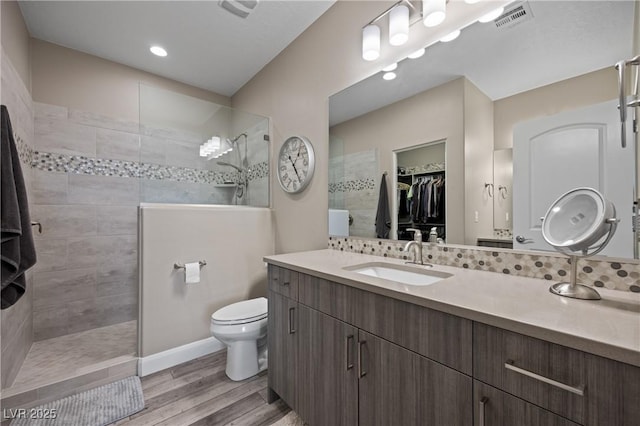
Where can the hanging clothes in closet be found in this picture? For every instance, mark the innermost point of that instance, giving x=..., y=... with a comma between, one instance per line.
x=427, y=199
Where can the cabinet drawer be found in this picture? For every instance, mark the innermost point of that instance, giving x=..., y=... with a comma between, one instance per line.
x=442, y=337
x=493, y=407
x=546, y=374
x=283, y=281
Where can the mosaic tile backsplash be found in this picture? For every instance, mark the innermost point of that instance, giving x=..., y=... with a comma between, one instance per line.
x=614, y=275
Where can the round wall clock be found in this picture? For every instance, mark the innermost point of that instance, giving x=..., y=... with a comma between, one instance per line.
x=295, y=164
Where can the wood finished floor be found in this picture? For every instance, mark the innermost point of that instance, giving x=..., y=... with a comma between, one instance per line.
x=199, y=393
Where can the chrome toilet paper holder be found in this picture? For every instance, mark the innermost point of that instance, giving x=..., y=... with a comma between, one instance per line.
x=179, y=266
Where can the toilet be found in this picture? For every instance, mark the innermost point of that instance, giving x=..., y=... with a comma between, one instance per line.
x=242, y=327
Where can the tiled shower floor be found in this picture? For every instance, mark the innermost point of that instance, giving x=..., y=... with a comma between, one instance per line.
x=75, y=354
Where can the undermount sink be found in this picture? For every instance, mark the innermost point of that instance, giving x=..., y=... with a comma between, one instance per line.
x=399, y=273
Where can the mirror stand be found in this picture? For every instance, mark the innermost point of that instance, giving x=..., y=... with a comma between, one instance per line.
x=572, y=288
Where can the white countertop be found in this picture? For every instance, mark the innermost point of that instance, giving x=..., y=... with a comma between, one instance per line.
x=609, y=327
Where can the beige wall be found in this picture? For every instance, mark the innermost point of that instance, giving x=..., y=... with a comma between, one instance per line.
x=588, y=89
x=430, y=116
x=174, y=313
x=15, y=40
x=478, y=163
x=294, y=88
x=73, y=79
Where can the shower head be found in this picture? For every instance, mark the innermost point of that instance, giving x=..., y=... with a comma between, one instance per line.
x=224, y=163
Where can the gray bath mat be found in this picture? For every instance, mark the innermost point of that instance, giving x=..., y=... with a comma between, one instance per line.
x=96, y=407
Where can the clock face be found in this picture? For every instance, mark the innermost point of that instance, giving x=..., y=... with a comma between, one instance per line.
x=295, y=164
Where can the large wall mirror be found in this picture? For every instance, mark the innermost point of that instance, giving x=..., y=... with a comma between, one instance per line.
x=505, y=105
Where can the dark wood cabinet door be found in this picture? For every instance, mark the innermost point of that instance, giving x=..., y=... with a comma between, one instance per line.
x=400, y=387
x=496, y=408
x=327, y=379
x=282, y=337
x=614, y=392
x=284, y=281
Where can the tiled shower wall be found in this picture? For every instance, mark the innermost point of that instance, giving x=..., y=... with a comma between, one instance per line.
x=90, y=174
x=16, y=332
x=86, y=276
x=354, y=185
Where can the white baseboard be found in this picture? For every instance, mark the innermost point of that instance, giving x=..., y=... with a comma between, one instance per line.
x=171, y=357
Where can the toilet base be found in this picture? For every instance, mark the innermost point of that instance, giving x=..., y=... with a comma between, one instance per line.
x=243, y=360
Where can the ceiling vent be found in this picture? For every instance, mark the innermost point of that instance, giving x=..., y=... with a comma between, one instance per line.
x=240, y=8
x=515, y=15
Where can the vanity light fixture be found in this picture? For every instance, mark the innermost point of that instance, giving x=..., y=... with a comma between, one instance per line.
x=158, y=51
x=391, y=67
x=451, y=36
x=399, y=25
x=491, y=15
x=433, y=12
x=417, y=54
x=389, y=76
x=370, y=42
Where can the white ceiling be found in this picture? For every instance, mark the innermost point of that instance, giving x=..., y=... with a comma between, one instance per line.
x=208, y=47
x=563, y=40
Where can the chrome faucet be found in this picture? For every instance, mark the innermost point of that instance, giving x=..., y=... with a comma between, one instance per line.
x=417, y=243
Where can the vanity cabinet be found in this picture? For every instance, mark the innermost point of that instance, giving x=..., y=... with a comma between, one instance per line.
x=347, y=375
x=584, y=388
x=327, y=373
x=497, y=408
x=339, y=355
x=400, y=387
x=283, y=348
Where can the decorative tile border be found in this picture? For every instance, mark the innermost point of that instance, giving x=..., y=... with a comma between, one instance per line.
x=25, y=152
x=78, y=164
x=352, y=185
x=623, y=276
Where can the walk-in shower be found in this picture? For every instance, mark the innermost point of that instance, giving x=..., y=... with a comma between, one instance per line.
x=81, y=322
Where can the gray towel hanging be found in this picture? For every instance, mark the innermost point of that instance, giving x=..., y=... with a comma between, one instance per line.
x=17, y=251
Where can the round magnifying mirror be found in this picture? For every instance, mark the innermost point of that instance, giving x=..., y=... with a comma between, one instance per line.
x=578, y=222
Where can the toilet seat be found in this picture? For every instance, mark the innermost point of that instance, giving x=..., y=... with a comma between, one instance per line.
x=241, y=313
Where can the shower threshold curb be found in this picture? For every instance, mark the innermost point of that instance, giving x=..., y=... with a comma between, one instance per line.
x=32, y=394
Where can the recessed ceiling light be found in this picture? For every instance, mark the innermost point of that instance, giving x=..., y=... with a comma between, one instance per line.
x=389, y=75
x=158, y=51
x=418, y=53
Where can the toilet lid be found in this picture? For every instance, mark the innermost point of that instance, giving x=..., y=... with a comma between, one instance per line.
x=245, y=311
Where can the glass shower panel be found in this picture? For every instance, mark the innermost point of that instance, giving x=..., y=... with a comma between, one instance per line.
x=173, y=127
